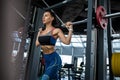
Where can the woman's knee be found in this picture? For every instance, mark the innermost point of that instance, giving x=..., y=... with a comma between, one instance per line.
x=45, y=77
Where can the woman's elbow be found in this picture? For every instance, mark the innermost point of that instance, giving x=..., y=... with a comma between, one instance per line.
x=67, y=43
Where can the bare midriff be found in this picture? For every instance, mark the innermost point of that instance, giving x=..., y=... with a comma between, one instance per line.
x=47, y=49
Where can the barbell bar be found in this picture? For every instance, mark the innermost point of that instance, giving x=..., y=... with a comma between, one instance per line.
x=77, y=22
x=106, y=16
x=113, y=15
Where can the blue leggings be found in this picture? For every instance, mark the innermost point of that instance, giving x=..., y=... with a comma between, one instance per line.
x=53, y=64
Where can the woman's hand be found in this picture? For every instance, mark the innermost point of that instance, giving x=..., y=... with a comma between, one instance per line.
x=69, y=26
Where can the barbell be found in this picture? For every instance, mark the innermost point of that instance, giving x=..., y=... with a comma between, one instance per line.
x=101, y=17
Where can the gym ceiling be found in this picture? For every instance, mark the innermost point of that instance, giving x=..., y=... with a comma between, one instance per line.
x=75, y=10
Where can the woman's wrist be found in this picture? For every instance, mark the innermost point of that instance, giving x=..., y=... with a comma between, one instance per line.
x=70, y=29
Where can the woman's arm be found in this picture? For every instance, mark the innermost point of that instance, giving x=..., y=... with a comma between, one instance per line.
x=37, y=42
x=62, y=37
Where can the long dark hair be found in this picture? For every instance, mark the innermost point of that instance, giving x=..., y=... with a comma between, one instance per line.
x=54, y=22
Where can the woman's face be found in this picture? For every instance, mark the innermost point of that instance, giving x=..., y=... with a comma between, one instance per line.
x=47, y=18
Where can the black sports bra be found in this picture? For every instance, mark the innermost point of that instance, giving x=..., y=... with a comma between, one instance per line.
x=47, y=39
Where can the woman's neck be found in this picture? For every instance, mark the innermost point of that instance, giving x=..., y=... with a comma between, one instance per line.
x=49, y=26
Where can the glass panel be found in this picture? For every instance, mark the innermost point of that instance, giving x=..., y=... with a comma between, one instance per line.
x=116, y=45
x=80, y=59
x=116, y=40
x=75, y=40
x=58, y=44
x=66, y=59
x=77, y=44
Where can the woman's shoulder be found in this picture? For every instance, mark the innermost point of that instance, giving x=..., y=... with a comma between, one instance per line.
x=57, y=29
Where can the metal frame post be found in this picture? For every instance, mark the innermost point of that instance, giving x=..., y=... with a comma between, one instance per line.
x=101, y=56
x=34, y=53
x=109, y=34
x=90, y=51
x=19, y=57
x=101, y=50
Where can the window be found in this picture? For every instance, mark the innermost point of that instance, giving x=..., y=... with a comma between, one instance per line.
x=66, y=59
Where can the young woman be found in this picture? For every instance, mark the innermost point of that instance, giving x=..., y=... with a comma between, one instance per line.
x=46, y=38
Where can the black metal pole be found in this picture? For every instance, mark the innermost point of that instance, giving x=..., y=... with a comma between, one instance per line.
x=58, y=4
x=101, y=49
x=54, y=13
x=89, y=69
x=109, y=34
